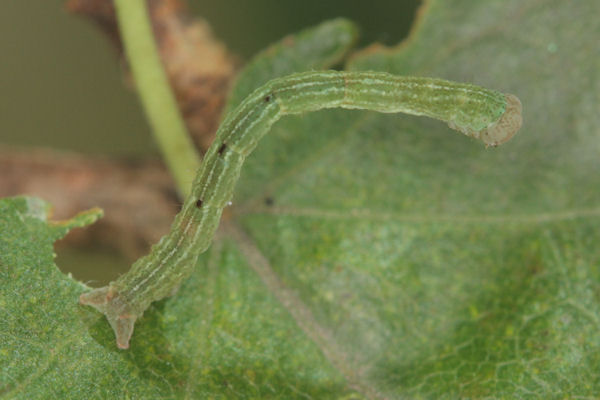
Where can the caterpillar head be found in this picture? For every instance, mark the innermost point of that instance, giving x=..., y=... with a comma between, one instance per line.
x=507, y=125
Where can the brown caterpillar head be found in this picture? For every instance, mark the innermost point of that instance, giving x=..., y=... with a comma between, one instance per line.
x=507, y=125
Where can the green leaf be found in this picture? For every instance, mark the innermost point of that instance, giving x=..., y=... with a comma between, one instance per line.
x=370, y=255
x=438, y=267
x=51, y=347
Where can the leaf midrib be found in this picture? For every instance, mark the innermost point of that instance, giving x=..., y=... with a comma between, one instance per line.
x=299, y=311
x=370, y=215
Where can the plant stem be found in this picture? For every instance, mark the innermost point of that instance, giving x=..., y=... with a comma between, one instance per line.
x=157, y=98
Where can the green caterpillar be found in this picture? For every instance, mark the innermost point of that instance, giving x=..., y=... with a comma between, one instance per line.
x=484, y=114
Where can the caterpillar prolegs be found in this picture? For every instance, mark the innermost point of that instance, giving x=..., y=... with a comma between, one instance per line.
x=484, y=114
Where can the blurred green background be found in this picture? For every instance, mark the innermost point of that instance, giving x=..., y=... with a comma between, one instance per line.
x=62, y=85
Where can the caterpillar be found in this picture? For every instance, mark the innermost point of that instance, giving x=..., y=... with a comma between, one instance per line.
x=484, y=114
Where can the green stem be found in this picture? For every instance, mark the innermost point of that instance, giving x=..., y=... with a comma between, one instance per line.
x=154, y=90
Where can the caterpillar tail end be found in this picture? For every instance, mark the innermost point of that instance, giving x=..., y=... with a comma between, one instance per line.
x=117, y=312
x=506, y=126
